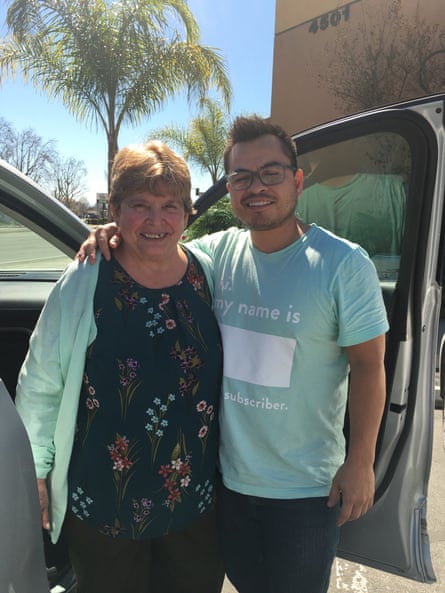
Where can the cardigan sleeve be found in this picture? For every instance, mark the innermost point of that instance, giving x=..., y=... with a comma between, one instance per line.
x=42, y=377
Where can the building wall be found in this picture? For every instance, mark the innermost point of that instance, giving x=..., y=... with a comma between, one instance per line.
x=308, y=46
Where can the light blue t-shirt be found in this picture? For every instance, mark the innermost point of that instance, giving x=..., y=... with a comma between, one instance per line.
x=284, y=318
x=368, y=209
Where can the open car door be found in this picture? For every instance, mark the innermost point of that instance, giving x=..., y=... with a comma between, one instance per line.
x=377, y=178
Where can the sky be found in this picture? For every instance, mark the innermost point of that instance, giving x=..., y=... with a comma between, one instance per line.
x=242, y=31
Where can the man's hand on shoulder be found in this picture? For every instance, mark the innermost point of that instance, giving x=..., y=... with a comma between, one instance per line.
x=105, y=237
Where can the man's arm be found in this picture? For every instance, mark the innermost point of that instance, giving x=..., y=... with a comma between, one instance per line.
x=354, y=481
x=105, y=237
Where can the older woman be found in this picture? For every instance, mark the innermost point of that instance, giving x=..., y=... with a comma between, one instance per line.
x=119, y=394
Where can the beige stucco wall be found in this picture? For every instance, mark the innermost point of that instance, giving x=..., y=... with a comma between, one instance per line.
x=302, y=57
x=290, y=13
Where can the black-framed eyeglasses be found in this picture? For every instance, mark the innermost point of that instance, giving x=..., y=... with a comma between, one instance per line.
x=268, y=175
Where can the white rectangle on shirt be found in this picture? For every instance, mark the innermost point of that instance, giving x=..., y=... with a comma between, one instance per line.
x=257, y=358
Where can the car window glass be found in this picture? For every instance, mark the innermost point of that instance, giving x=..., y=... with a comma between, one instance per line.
x=22, y=249
x=357, y=189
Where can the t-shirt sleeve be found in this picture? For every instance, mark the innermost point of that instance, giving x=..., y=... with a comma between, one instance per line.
x=206, y=244
x=361, y=309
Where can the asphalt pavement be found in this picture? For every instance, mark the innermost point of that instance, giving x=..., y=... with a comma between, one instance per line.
x=23, y=249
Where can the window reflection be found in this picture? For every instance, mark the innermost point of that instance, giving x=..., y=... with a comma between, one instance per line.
x=357, y=189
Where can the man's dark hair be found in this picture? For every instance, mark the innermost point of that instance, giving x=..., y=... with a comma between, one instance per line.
x=246, y=129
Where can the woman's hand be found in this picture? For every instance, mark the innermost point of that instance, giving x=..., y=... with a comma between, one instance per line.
x=104, y=236
x=44, y=503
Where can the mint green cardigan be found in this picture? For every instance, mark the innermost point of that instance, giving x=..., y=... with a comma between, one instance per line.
x=50, y=380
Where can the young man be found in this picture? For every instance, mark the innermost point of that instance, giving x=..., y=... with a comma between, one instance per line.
x=296, y=323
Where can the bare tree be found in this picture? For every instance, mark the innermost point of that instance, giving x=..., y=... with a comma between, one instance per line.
x=27, y=151
x=382, y=62
x=7, y=139
x=68, y=180
x=80, y=207
x=39, y=160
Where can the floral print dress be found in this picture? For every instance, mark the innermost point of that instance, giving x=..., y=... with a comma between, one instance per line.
x=144, y=457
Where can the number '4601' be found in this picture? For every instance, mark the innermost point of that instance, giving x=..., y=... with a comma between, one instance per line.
x=321, y=23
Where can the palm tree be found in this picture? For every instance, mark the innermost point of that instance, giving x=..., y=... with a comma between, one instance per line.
x=203, y=141
x=111, y=62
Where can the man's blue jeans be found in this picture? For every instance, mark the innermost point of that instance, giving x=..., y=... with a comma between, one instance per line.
x=276, y=545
